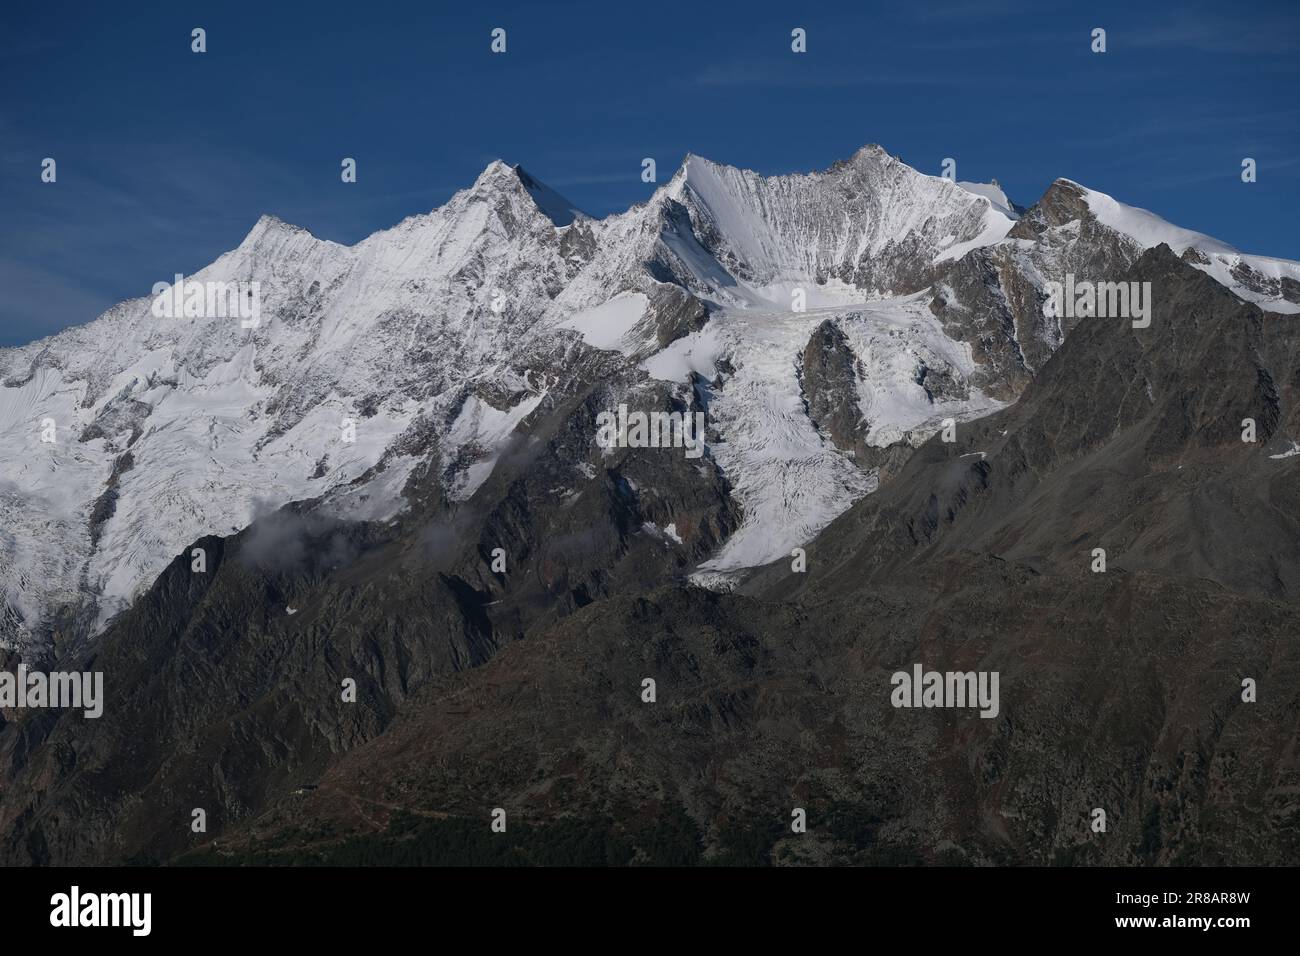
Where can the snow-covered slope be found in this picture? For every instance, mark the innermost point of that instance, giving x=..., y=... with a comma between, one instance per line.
x=789, y=476
x=435, y=340
x=871, y=223
x=169, y=429
x=1257, y=279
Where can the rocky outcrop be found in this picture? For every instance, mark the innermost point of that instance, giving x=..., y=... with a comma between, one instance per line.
x=829, y=374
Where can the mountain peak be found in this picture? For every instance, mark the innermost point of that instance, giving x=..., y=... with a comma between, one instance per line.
x=698, y=162
x=497, y=172
x=270, y=227
x=1064, y=201
x=501, y=175
x=873, y=151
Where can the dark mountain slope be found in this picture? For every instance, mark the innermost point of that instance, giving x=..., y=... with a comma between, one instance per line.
x=1128, y=440
x=1120, y=691
x=224, y=688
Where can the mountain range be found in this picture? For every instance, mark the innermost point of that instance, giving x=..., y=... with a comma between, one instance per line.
x=393, y=479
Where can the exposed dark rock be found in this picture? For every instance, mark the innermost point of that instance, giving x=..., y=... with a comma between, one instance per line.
x=674, y=313
x=829, y=374
x=106, y=504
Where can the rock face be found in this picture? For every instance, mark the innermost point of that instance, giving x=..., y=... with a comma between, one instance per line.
x=830, y=378
x=672, y=313
x=500, y=585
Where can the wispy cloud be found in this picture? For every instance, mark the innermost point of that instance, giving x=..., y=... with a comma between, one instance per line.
x=1157, y=135
x=965, y=11
x=1229, y=174
x=1242, y=32
x=767, y=76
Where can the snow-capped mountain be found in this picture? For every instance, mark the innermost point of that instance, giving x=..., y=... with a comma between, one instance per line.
x=1268, y=282
x=827, y=322
x=871, y=224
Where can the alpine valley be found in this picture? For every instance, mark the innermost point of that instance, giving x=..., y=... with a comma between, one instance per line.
x=394, y=478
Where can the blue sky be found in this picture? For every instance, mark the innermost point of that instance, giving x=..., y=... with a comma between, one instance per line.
x=166, y=158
